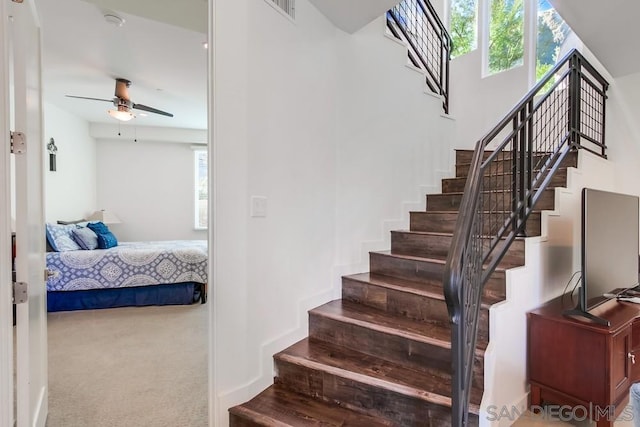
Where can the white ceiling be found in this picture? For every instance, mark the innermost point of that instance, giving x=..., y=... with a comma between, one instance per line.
x=609, y=29
x=162, y=55
x=351, y=15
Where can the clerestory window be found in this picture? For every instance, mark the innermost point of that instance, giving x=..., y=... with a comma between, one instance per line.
x=463, y=26
x=552, y=33
x=506, y=35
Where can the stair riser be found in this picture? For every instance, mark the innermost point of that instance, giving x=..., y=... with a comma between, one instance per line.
x=500, y=182
x=492, y=201
x=465, y=156
x=418, y=270
x=406, y=304
x=410, y=353
x=437, y=246
x=386, y=346
x=403, y=410
x=239, y=421
x=445, y=222
x=502, y=166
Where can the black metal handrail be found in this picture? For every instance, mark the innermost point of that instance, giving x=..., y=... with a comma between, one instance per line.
x=511, y=167
x=417, y=23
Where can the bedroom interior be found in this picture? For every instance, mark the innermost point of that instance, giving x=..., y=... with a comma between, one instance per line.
x=141, y=170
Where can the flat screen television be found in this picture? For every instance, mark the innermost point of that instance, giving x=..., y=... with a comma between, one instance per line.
x=610, y=247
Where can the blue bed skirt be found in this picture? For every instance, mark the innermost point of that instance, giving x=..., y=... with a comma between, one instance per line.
x=173, y=294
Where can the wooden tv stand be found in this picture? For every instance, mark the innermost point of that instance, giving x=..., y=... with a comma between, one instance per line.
x=580, y=364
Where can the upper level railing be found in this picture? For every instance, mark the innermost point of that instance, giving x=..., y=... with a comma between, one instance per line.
x=564, y=112
x=417, y=23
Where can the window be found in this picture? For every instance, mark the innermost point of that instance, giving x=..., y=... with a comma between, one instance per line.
x=552, y=32
x=506, y=35
x=463, y=26
x=201, y=189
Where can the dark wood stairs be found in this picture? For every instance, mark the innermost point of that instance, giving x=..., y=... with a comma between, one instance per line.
x=381, y=355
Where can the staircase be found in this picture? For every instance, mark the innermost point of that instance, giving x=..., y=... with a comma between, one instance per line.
x=381, y=355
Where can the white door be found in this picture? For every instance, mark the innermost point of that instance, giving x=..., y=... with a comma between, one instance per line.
x=22, y=56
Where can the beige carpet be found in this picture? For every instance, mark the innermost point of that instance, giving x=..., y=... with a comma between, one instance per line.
x=133, y=366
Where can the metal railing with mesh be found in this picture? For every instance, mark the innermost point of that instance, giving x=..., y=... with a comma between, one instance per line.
x=417, y=23
x=511, y=168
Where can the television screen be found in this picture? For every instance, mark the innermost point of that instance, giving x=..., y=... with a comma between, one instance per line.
x=609, y=244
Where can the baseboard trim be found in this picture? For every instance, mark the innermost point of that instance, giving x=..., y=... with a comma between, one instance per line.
x=264, y=378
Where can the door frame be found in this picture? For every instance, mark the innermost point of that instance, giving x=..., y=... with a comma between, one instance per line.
x=6, y=293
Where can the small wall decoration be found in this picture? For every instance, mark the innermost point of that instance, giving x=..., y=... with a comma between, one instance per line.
x=53, y=150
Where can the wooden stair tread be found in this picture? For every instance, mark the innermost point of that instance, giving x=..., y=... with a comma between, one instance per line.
x=460, y=193
x=278, y=407
x=561, y=170
x=430, y=385
x=432, y=289
x=423, y=259
x=428, y=288
x=443, y=234
x=456, y=212
x=435, y=334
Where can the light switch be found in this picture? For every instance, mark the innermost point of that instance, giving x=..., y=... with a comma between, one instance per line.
x=258, y=206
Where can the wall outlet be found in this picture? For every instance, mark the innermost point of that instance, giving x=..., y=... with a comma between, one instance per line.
x=258, y=206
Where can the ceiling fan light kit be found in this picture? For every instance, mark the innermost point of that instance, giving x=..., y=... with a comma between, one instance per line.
x=122, y=113
x=123, y=103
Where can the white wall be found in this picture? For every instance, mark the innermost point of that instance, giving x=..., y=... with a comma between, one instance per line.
x=274, y=137
x=70, y=191
x=623, y=133
x=478, y=103
x=149, y=186
x=394, y=143
x=339, y=136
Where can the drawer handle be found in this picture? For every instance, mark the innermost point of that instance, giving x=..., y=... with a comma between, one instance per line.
x=632, y=356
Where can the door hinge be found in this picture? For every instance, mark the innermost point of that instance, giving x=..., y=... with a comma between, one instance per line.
x=18, y=142
x=20, y=292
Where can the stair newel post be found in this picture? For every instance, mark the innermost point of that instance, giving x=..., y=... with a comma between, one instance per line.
x=574, y=100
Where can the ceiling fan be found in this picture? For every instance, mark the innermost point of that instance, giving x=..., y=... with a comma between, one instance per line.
x=123, y=103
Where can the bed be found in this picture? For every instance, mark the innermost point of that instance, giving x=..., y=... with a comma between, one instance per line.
x=129, y=274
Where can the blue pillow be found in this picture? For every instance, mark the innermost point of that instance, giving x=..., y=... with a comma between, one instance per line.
x=85, y=238
x=107, y=240
x=98, y=227
x=60, y=237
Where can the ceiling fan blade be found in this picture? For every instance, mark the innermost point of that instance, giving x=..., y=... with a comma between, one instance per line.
x=85, y=97
x=151, y=110
x=122, y=90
